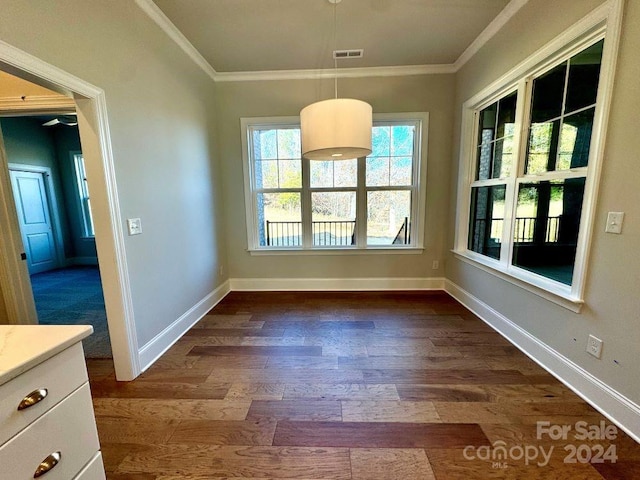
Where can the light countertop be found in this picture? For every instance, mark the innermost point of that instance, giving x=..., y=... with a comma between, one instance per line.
x=22, y=347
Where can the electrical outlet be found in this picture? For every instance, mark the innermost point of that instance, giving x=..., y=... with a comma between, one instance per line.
x=435, y=265
x=594, y=346
x=221, y=270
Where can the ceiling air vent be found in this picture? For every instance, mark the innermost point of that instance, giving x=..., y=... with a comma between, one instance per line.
x=353, y=53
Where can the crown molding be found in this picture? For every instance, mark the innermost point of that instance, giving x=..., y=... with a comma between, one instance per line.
x=36, y=103
x=494, y=27
x=396, y=71
x=158, y=16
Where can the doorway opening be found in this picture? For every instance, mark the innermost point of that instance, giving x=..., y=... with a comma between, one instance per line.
x=51, y=196
x=88, y=101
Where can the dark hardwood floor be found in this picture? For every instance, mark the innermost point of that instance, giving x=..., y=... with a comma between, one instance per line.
x=325, y=385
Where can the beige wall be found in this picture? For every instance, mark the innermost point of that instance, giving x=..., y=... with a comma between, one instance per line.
x=160, y=107
x=612, y=309
x=433, y=94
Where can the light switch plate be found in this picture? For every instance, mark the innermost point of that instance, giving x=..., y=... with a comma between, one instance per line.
x=614, y=222
x=134, y=225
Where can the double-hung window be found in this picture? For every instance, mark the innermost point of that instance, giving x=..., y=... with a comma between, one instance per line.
x=82, y=187
x=372, y=203
x=530, y=159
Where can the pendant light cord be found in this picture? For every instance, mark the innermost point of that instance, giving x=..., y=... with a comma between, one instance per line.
x=335, y=47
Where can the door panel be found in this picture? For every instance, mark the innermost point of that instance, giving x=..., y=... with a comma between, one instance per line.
x=31, y=195
x=39, y=247
x=35, y=221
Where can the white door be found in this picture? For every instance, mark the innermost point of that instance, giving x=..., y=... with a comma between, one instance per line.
x=35, y=220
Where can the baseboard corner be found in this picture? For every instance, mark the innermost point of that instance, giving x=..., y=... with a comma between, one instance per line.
x=157, y=346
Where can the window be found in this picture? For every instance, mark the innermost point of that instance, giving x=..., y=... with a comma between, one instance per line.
x=86, y=219
x=531, y=151
x=371, y=203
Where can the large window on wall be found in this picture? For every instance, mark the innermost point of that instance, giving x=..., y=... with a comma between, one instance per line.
x=531, y=153
x=374, y=203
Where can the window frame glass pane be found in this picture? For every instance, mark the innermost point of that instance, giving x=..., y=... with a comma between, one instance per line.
x=334, y=230
x=493, y=132
x=546, y=232
x=486, y=234
x=399, y=233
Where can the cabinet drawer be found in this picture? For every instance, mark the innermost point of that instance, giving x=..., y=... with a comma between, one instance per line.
x=68, y=428
x=60, y=375
x=93, y=471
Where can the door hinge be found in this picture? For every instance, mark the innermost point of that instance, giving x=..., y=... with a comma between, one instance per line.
x=23, y=256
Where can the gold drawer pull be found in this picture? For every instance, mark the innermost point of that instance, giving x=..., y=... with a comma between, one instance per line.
x=48, y=464
x=34, y=397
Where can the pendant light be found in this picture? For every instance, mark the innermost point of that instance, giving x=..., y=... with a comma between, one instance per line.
x=336, y=129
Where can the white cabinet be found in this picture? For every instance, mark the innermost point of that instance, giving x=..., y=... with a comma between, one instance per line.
x=47, y=423
x=94, y=470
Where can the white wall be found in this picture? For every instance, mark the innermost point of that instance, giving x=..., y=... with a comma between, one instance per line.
x=160, y=108
x=612, y=308
x=430, y=93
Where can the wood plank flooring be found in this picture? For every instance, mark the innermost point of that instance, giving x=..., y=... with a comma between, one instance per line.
x=326, y=385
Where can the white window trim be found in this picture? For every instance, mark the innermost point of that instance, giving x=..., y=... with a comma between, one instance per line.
x=420, y=179
x=604, y=21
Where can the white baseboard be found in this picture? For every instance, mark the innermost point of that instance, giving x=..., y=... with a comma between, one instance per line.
x=335, y=284
x=612, y=404
x=153, y=349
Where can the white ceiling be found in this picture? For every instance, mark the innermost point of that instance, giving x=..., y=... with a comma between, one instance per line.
x=265, y=35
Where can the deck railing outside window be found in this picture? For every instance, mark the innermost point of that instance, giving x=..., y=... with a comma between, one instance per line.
x=325, y=233
x=524, y=229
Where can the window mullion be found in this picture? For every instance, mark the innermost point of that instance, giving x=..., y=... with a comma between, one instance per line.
x=525, y=91
x=506, y=250
x=307, y=225
x=414, y=226
x=278, y=190
x=554, y=175
x=490, y=182
x=392, y=188
x=361, y=204
x=333, y=189
x=520, y=147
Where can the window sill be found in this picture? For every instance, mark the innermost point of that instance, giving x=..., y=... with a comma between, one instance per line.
x=546, y=289
x=338, y=251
